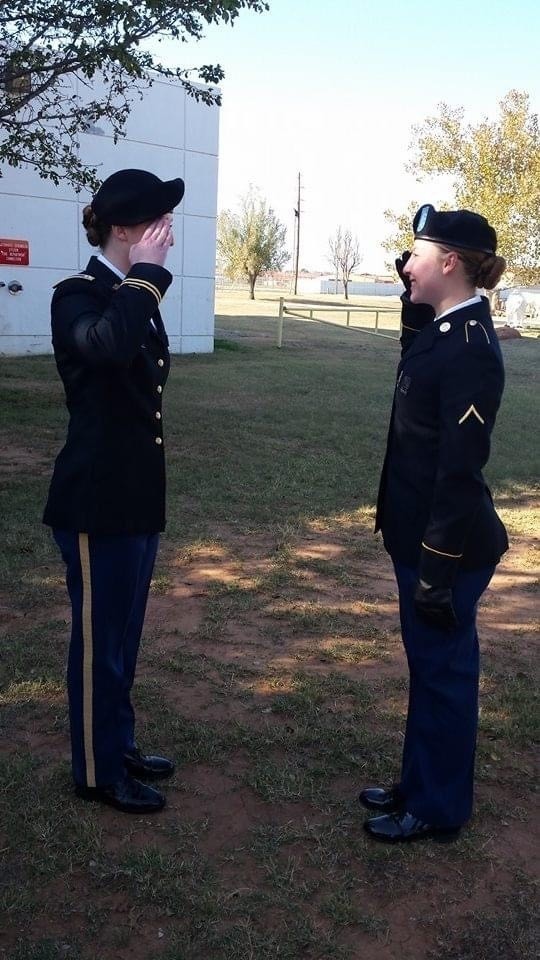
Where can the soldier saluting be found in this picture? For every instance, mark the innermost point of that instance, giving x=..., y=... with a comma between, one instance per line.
x=106, y=501
x=437, y=516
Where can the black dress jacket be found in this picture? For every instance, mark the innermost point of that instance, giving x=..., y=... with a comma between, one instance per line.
x=112, y=354
x=434, y=508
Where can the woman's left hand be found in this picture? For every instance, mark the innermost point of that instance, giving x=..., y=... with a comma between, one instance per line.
x=434, y=606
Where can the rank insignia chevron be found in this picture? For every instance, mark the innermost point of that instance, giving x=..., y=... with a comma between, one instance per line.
x=472, y=409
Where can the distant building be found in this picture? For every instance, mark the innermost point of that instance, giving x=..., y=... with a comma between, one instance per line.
x=314, y=281
x=363, y=285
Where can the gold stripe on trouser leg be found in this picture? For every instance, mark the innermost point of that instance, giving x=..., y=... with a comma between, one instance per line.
x=88, y=657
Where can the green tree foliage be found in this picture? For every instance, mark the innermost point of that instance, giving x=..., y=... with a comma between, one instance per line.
x=495, y=170
x=401, y=236
x=251, y=240
x=44, y=44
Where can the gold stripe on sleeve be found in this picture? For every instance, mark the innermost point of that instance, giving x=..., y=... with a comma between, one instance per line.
x=143, y=285
x=441, y=553
x=88, y=655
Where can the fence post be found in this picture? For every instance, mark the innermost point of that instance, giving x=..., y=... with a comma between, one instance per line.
x=376, y=319
x=280, y=323
x=348, y=317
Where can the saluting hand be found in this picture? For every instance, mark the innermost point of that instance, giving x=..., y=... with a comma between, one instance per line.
x=401, y=263
x=154, y=244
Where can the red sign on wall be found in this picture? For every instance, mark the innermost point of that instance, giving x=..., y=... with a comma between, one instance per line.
x=16, y=252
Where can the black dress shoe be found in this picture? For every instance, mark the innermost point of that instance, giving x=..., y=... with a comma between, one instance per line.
x=385, y=801
x=127, y=795
x=147, y=767
x=404, y=827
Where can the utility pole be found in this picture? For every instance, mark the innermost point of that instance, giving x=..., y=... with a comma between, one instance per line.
x=297, y=245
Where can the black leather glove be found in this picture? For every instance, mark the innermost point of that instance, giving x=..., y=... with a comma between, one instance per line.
x=401, y=262
x=434, y=606
x=413, y=315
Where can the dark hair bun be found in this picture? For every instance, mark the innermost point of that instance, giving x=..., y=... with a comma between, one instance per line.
x=490, y=272
x=96, y=231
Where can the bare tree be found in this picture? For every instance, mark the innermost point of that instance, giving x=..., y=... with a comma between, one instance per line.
x=345, y=255
x=334, y=244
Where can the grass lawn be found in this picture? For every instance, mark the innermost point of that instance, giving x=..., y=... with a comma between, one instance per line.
x=271, y=670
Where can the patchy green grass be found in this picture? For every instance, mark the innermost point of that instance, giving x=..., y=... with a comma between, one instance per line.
x=511, y=708
x=509, y=933
x=46, y=950
x=276, y=691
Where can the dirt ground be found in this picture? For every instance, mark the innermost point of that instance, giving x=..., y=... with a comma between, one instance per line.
x=507, y=622
x=413, y=899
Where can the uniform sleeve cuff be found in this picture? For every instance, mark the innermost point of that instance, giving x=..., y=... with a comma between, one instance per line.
x=437, y=567
x=150, y=278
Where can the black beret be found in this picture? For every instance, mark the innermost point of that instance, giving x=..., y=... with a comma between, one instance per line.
x=129, y=197
x=455, y=228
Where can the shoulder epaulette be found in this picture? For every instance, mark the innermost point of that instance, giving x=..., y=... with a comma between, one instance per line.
x=75, y=276
x=475, y=331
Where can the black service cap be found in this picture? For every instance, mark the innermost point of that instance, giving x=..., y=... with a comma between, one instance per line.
x=455, y=228
x=129, y=197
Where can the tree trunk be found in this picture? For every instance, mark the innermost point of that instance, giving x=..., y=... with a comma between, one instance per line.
x=346, y=288
x=252, y=280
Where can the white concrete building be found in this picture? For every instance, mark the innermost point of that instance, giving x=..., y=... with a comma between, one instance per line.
x=172, y=135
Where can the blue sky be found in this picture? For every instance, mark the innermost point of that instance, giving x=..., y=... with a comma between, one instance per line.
x=332, y=89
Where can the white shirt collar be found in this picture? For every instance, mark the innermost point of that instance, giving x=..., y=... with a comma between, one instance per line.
x=103, y=259
x=458, y=306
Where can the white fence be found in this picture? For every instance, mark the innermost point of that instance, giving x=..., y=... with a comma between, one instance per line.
x=306, y=309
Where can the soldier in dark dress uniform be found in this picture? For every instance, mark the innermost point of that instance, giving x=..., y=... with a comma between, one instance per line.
x=437, y=516
x=106, y=501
